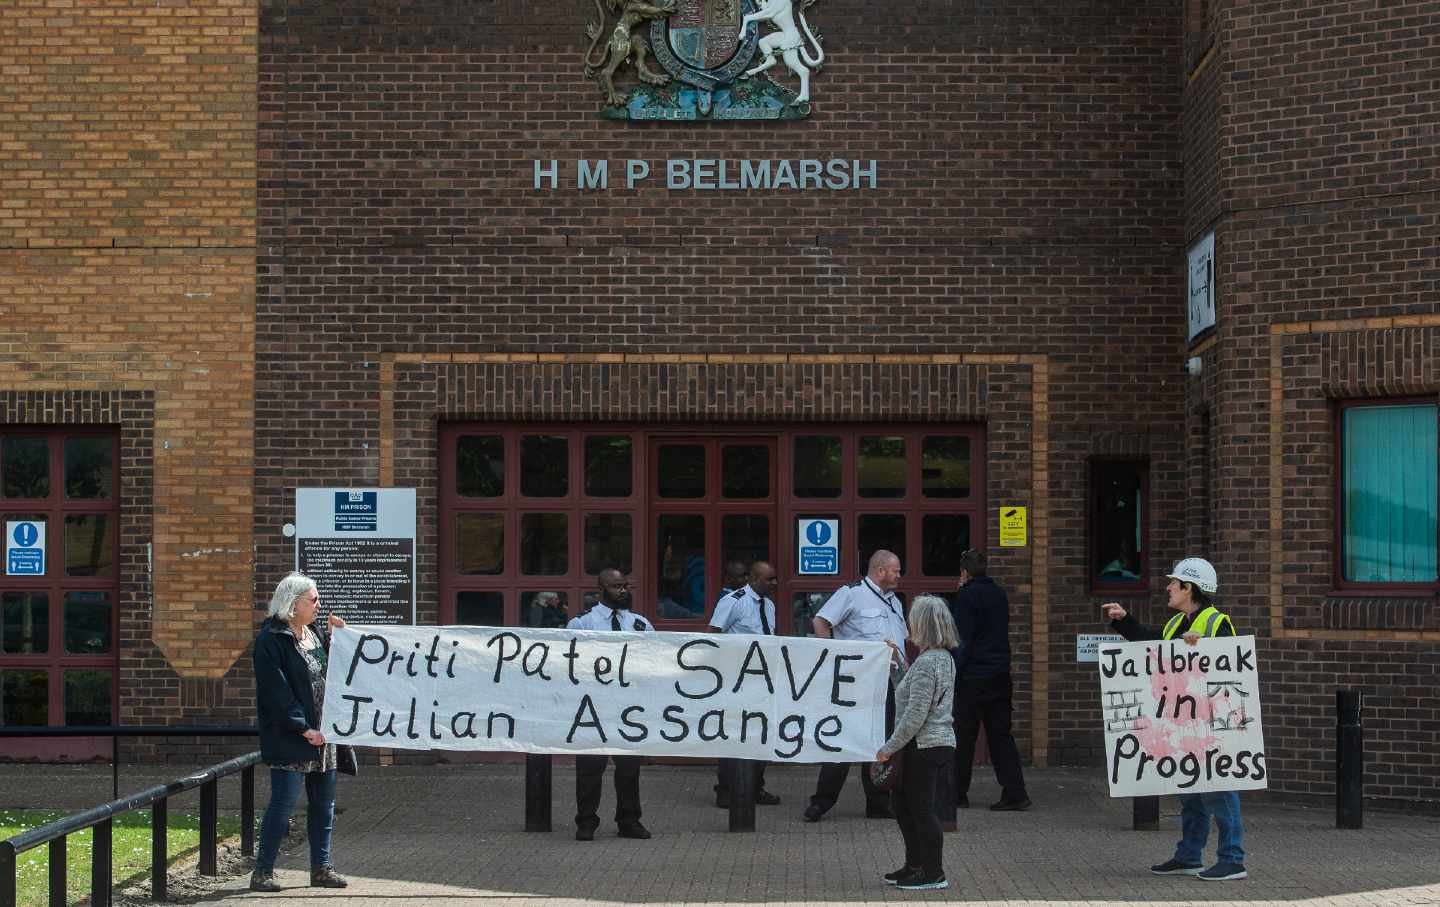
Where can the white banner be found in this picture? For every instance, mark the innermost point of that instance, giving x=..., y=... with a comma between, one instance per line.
x=787, y=699
x=1182, y=719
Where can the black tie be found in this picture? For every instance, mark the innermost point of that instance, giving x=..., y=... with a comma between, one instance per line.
x=764, y=621
x=614, y=620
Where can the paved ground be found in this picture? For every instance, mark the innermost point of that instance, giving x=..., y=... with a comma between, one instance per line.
x=453, y=834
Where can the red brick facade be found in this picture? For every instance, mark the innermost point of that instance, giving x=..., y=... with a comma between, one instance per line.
x=1041, y=170
x=127, y=287
x=1316, y=166
x=1027, y=190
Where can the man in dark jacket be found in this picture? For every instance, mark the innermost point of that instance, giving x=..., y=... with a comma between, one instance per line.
x=982, y=684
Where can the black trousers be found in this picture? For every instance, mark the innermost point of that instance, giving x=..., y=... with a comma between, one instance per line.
x=833, y=774
x=723, y=768
x=914, y=805
x=987, y=702
x=589, y=775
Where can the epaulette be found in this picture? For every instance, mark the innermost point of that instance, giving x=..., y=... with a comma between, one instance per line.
x=855, y=584
x=738, y=593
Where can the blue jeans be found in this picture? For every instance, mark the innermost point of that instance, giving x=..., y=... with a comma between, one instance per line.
x=1196, y=811
x=319, y=815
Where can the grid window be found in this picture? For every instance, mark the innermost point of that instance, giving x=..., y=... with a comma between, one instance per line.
x=608, y=466
x=531, y=513
x=544, y=466
x=480, y=466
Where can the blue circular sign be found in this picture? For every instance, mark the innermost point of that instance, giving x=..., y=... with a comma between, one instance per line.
x=26, y=535
x=818, y=532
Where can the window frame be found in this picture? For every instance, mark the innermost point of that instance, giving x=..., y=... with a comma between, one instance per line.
x=1141, y=585
x=782, y=506
x=56, y=661
x=1337, y=558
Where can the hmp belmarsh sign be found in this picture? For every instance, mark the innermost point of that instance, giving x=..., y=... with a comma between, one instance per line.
x=583, y=691
x=720, y=174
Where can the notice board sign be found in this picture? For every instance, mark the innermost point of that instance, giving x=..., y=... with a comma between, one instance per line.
x=1087, y=645
x=25, y=548
x=1181, y=719
x=1201, y=290
x=1012, y=527
x=358, y=544
x=819, y=545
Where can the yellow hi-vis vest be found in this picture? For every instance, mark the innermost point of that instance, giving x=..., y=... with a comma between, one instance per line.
x=1206, y=623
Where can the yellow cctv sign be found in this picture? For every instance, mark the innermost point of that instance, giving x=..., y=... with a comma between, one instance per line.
x=1012, y=527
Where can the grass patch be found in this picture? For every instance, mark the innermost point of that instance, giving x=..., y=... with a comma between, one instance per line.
x=129, y=850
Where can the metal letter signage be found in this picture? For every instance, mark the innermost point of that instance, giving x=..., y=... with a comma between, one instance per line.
x=715, y=54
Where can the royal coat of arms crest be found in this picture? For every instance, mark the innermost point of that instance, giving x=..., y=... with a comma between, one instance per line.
x=717, y=63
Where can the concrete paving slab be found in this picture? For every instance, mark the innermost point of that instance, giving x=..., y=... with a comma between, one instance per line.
x=454, y=834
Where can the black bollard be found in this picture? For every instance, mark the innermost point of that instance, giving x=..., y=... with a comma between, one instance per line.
x=537, y=792
x=1349, y=761
x=1147, y=814
x=742, y=794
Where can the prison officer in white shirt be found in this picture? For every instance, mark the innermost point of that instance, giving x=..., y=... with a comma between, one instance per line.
x=612, y=612
x=748, y=610
x=736, y=575
x=868, y=609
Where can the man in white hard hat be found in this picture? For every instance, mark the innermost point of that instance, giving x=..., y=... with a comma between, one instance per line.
x=1191, y=591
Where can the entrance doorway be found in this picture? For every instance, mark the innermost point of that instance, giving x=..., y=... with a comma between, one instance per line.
x=58, y=628
x=529, y=513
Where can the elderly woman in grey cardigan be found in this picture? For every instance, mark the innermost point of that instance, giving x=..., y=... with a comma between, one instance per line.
x=925, y=730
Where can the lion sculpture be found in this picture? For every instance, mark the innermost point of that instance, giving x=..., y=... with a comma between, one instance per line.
x=624, y=44
x=787, y=40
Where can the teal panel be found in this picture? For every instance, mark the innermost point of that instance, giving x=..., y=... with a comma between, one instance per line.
x=1389, y=488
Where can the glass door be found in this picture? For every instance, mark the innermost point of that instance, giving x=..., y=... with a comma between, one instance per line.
x=713, y=501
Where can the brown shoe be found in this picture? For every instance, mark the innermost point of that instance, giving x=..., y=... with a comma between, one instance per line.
x=327, y=877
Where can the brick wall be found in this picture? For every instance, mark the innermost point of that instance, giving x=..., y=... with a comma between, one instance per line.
x=1327, y=239
x=1202, y=137
x=1028, y=207
x=128, y=123
x=1331, y=100
x=127, y=206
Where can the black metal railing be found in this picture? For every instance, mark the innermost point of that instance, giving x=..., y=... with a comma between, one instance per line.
x=157, y=798
x=116, y=731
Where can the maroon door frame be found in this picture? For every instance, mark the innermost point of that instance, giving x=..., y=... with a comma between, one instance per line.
x=55, y=507
x=714, y=507
x=644, y=505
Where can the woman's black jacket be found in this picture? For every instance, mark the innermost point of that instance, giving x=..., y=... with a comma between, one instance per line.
x=283, y=700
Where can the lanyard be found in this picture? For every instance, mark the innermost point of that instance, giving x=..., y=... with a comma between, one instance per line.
x=877, y=594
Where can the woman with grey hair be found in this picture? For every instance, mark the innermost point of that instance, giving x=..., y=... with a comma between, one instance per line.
x=290, y=657
x=925, y=731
